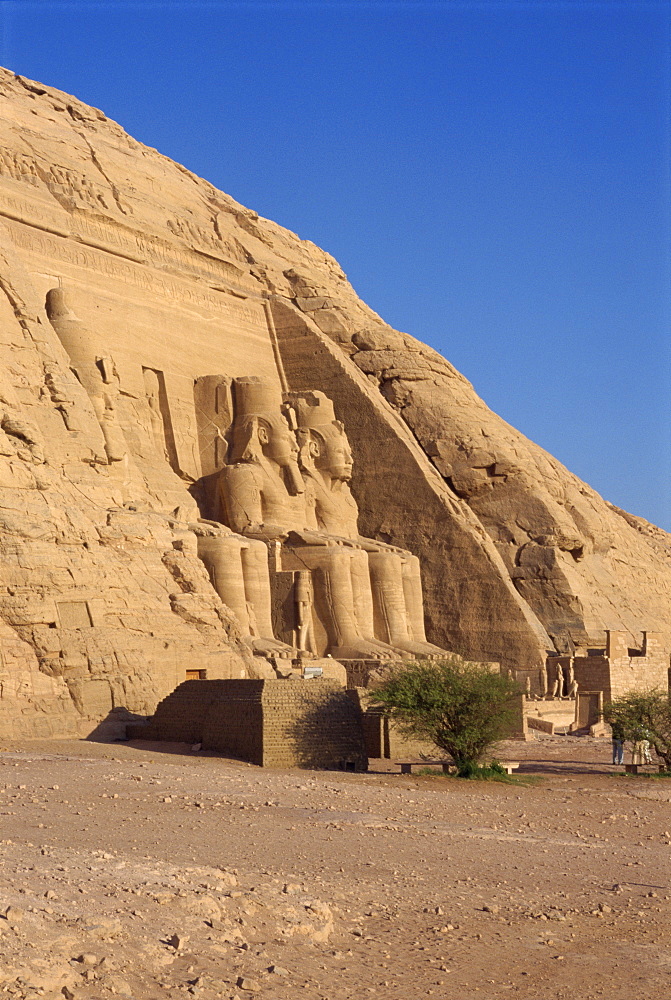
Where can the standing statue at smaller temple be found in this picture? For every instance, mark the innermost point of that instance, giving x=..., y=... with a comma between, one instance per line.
x=558, y=686
x=543, y=681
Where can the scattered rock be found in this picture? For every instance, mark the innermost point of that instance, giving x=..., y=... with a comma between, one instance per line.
x=250, y=985
x=178, y=941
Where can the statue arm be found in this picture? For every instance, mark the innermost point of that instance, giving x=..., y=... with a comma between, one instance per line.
x=372, y=545
x=306, y=536
x=242, y=497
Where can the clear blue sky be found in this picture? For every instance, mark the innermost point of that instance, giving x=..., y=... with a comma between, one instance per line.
x=493, y=177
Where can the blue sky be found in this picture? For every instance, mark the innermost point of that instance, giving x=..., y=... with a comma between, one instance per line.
x=493, y=177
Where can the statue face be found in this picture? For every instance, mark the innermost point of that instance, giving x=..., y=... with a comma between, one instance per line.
x=279, y=444
x=335, y=454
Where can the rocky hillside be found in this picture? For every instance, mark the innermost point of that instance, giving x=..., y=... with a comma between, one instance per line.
x=103, y=602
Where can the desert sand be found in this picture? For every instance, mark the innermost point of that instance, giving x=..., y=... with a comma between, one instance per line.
x=156, y=871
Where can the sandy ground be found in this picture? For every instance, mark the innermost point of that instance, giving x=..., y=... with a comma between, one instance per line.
x=150, y=871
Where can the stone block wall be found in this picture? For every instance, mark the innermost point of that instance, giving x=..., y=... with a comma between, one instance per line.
x=179, y=717
x=235, y=721
x=273, y=723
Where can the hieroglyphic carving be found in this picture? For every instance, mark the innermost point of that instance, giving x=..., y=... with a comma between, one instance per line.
x=66, y=185
x=118, y=238
x=211, y=239
x=39, y=215
x=57, y=248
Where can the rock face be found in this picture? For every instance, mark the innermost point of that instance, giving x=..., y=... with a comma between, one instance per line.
x=131, y=294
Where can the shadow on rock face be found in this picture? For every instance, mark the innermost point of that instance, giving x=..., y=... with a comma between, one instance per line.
x=113, y=727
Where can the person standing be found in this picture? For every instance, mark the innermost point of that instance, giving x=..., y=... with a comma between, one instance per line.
x=617, y=735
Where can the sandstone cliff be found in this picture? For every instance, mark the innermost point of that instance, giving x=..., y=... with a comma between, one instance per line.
x=103, y=602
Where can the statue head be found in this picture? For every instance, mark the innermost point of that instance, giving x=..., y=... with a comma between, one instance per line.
x=261, y=429
x=322, y=438
x=58, y=306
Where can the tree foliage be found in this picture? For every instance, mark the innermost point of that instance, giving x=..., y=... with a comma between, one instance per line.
x=643, y=715
x=462, y=708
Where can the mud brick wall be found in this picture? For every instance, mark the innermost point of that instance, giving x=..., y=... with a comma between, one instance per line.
x=180, y=716
x=272, y=723
x=234, y=720
x=311, y=724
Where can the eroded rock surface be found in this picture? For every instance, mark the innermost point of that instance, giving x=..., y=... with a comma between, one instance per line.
x=105, y=460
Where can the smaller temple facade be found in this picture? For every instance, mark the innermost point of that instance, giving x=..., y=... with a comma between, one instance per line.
x=617, y=668
x=572, y=690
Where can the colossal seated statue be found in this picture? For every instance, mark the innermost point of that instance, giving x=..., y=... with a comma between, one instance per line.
x=325, y=459
x=262, y=496
x=93, y=368
x=365, y=596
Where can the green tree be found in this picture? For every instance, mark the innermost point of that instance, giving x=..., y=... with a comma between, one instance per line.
x=463, y=708
x=643, y=715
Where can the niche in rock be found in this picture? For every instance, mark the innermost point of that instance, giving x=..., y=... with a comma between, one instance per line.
x=213, y=403
x=159, y=416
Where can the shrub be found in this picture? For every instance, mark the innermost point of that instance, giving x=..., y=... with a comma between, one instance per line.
x=643, y=715
x=462, y=708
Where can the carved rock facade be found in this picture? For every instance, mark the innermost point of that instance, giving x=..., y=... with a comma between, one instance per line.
x=134, y=298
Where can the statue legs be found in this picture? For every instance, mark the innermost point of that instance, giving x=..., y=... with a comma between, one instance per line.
x=343, y=601
x=362, y=593
x=238, y=569
x=397, y=590
x=414, y=605
x=256, y=576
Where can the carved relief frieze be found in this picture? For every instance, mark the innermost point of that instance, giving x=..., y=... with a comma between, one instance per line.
x=67, y=186
x=243, y=312
x=121, y=239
